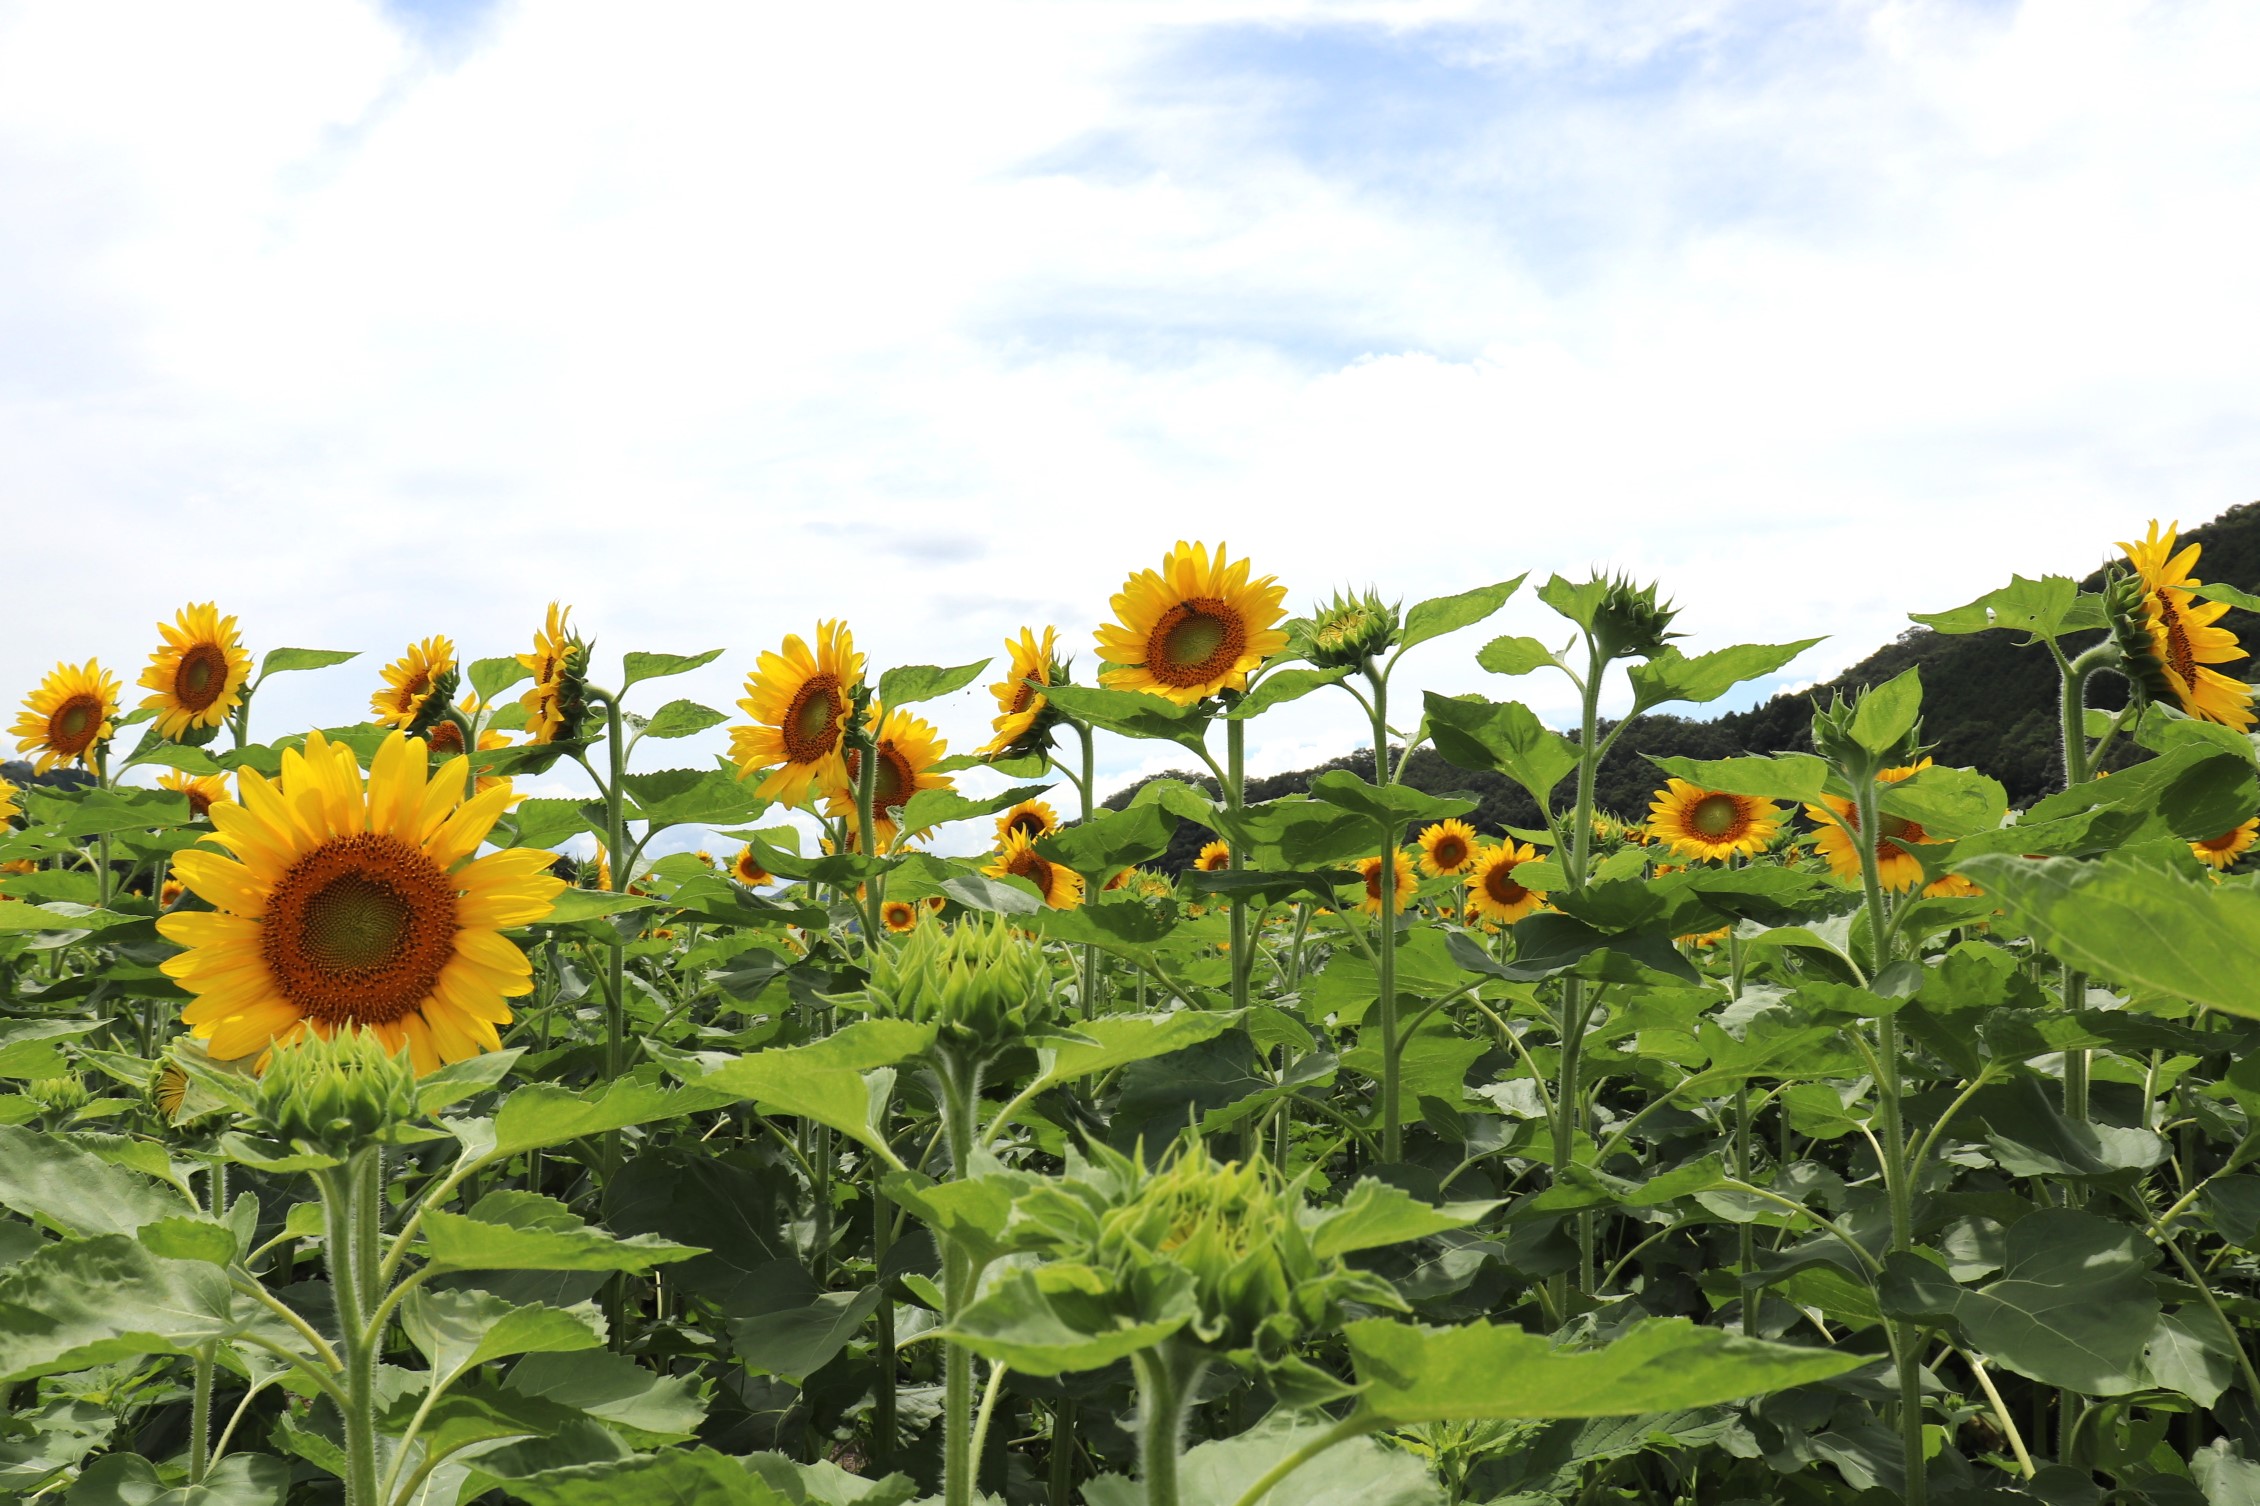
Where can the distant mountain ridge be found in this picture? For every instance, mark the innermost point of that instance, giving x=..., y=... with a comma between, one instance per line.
x=1987, y=704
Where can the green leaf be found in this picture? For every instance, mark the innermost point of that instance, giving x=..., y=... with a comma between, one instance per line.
x=1280, y=687
x=1126, y=927
x=1887, y=713
x=1114, y=1040
x=1416, y=1374
x=908, y=684
x=284, y=660
x=2196, y=790
x=1358, y=1472
x=77, y=1303
x=2214, y=590
x=682, y=719
x=1028, y=1319
x=1514, y=655
x=523, y=1231
x=183, y=1237
x=676, y=1477
x=1394, y=806
x=130, y=1480
x=1111, y=841
x=576, y=905
x=649, y=1407
x=680, y=797
x=460, y=1080
x=1376, y=1214
x=1272, y=887
x=1578, y=602
x=1505, y=737
x=458, y=1329
x=2136, y=920
x=1948, y=802
x=797, y=1340
x=44, y=1176
x=541, y=1113
x=2046, y=608
x=792, y=1082
x=1783, y=776
x=2073, y=1307
x=638, y=667
x=1009, y=896
x=491, y=677
x=931, y=808
x=1439, y=615
x=1131, y=713
x=1672, y=676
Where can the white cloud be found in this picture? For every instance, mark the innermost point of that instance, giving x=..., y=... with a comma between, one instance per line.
x=943, y=318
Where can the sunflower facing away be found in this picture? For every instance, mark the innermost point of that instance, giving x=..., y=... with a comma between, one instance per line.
x=1060, y=885
x=799, y=700
x=203, y=790
x=1215, y=857
x=1492, y=893
x=1195, y=627
x=1447, y=849
x=198, y=675
x=2185, y=633
x=899, y=916
x=1700, y=823
x=1019, y=704
x=2224, y=850
x=747, y=869
x=347, y=904
x=1369, y=869
x=1896, y=867
x=1035, y=817
x=908, y=749
x=68, y=717
x=410, y=681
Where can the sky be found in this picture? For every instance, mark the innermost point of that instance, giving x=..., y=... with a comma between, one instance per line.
x=375, y=320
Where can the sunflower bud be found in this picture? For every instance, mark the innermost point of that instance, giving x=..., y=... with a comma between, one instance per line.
x=59, y=1095
x=1630, y=623
x=1834, y=740
x=2131, y=635
x=1231, y=1227
x=336, y=1094
x=1350, y=629
x=981, y=983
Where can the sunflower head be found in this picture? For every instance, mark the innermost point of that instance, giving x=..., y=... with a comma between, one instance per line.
x=1215, y=857
x=2223, y=851
x=418, y=686
x=2168, y=640
x=1447, y=849
x=1348, y=630
x=203, y=791
x=1493, y=892
x=197, y=675
x=899, y=916
x=904, y=749
x=747, y=869
x=802, y=701
x=1630, y=623
x=336, y=1094
x=2139, y=659
x=1402, y=881
x=557, y=703
x=1193, y=628
x=1060, y=885
x=981, y=982
x=1035, y=817
x=1700, y=823
x=67, y=719
x=1025, y=715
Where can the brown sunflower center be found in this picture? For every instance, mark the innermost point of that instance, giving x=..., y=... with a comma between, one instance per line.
x=358, y=930
x=1895, y=834
x=2224, y=841
x=1719, y=817
x=73, y=726
x=1026, y=863
x=199, y=802
x=1195, y=642
x=1449, y=852
x=1500, y=888
x=898, y=915
x=2181, y=655
x=445, y=737
x=1023, y=695
x=201, y=676
x=1215, y=862
x=1032, y=823
x=812, y=721
x=749, y=872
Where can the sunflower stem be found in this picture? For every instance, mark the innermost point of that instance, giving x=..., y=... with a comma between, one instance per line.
x=614, y=790
x=1083, y=788
x=883, y=1404
x=1235, y=782
x=961, y=1091
x=345, y=1218
x=200, y=1417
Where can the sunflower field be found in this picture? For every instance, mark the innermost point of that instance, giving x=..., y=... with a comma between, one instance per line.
x=1827, y=1131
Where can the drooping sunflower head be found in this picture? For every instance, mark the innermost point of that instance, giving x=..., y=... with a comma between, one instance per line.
x=800, y=699
x=418, y=686
x=2224, y=851
x=747, y=869
x=2169, y=640
x=1402, y=882
x=1700, y=823
x=1060, y=885
x=899, y=916
x=198, y=674
x=1447, y=848
x=1197, y=626
x=1215, y=857
x=904, y=749
x=352, y=904
x=1025, y=715
x=1836, y=818
x=557, y=702
x=203, y=790
x=1347, y=631
x=1493, y=894
x=67, y=719
x=1035, y=817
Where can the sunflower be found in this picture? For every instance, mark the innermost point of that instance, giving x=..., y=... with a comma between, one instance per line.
x=1951, y=886
x=68, y=717
x=1369, y=869
x=898, y=915
x=446, y=739
x=1700, y=823
x=1492, y=893
x=10, y=806
x=203, y=790
x=169, y=892
x=1191, y=629
x=347, y=904
x=1034, y=817
x=1896, y=866
x=2185, y=634
x=1447, y=849
x=556, y=703
x=1124, y=879
x=1215, y=857
x=2224, y=850
x=1704, y=940
x=1020, y=706
x=747, y=869
x=799, y=703
x=170, y=1089
x=199, y=673
x=936, y=903
x=908, y=748
x=411, y=682
x=1060, y=885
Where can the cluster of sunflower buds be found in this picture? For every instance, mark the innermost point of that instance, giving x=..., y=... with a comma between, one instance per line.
x=1630, y=623
x=336, y=1094
x=1349, y=630
x=2131, y=635
x=983, y=984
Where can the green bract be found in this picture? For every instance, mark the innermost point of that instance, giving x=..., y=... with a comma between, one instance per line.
x=981, y=983
x=335, y=1094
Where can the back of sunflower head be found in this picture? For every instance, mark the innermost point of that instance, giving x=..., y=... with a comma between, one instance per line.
x=1348, y=630
x=336, y=1094
x=981, y=982
x=2124, y=607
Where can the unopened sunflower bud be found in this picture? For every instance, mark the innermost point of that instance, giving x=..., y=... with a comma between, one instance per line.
x=336, y=1094
x=1350, y=629
x=1835, y=740
x=982, y=983
x=59, y=1095
x=1630, y=623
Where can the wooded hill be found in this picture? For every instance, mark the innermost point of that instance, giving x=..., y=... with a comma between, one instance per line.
x=1988, y=704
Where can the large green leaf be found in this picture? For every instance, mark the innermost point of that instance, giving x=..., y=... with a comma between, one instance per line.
x=284, y=660
x=1040, y=1321
x=676, y=1477
x=850, y=1101
x=1503, y=736
x=1672, y=676
x=77, y=1303
x=1111, y=841
x=907, y=684
x=1131, y=713
x=1393, y=805
x=682, y=719
x=458, y=1329
x=1947, y=802
x=1417, y=1374
x=2136, y=920
x=1359, y=1472
x=637, y=667
x=2196, y=788
x=647, y=1406
x=1783, y=776
x=541, y=1114
x=1281, y=686
x=681, y=797
x=1887, y=713
x=796, y=1338
x=1515, y=655
x=929, y=808
x=523, y=1231
x=2046, y=608
x=1113, y=1040
x=1439, y=615
x=1376, y=1214
x=130, y=1480
x=45, y=1176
